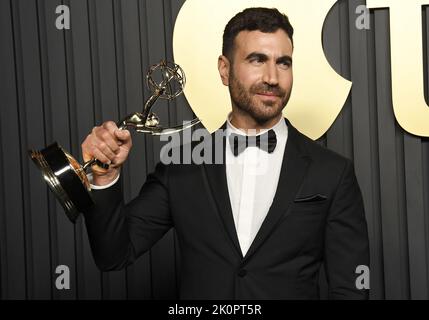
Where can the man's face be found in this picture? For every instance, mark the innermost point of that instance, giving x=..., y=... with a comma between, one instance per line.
x=260, y=74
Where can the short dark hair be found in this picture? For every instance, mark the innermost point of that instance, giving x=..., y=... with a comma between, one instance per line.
x=263, y=19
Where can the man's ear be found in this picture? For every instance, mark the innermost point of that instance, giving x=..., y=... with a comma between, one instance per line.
x=223, y=66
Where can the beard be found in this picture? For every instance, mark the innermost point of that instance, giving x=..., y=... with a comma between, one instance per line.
x=260, y=111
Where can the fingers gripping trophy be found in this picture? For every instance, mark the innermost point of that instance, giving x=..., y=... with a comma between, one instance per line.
x=68, y=179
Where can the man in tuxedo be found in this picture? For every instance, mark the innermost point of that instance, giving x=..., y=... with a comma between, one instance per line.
x=260, y=223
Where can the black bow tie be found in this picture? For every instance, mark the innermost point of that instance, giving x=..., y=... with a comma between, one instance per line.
x=266, y=142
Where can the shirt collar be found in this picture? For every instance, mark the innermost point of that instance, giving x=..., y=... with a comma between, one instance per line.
x=280, y=128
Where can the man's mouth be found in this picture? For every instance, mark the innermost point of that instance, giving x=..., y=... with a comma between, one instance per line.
x=268, y=94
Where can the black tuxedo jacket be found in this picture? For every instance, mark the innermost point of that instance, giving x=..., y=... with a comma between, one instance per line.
x=317, y=216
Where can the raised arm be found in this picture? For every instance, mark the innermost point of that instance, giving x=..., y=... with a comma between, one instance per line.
x=120, y=233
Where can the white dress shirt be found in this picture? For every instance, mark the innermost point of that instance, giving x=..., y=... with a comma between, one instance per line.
x=252, y=179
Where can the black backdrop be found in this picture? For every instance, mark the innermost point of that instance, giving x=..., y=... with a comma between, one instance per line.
x=55, y=85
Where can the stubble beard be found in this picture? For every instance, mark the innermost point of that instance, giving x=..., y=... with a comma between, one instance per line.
x=264, y=111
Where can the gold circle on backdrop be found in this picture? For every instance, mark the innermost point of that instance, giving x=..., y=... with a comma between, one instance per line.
x=319, y=93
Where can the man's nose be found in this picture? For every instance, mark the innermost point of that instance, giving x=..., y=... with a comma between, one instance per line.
x=270, y=74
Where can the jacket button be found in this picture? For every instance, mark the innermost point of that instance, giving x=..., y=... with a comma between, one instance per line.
x=242, y=273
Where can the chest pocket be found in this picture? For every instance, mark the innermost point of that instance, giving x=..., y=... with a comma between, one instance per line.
x=316, y=204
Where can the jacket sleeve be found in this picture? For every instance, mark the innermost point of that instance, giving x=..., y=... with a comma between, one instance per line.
x=120, y=233
x=346, y=239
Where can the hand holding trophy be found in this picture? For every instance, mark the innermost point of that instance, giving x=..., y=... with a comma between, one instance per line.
x=67, y=178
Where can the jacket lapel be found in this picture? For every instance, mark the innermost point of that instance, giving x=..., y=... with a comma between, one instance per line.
x=216, y=176
x=294, y=167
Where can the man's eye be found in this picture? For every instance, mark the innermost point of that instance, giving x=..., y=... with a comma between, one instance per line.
x=256, y=61
x=285, y=64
